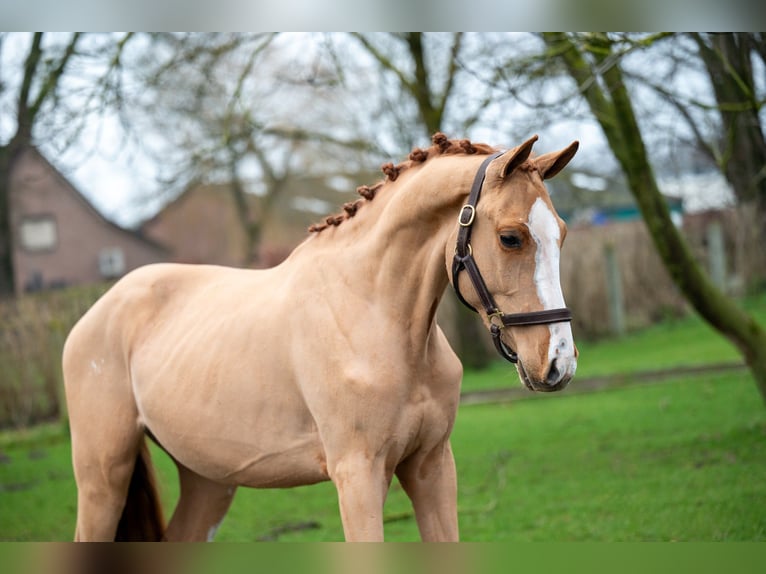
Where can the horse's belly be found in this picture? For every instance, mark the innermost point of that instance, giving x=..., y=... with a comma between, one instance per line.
x=235, y=437
x=275, y=461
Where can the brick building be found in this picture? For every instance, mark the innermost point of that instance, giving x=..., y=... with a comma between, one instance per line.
x=59, y=238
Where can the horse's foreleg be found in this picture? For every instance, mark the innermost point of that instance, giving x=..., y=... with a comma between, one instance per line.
x=201, y=508
x=362, y=486
x=430, y=481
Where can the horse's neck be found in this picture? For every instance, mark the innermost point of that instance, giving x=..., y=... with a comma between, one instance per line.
x=395, y=247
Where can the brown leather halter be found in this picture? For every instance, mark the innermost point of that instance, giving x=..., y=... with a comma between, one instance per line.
x=464, y=260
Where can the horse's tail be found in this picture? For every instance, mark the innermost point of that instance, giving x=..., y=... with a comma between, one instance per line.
x=142, y=518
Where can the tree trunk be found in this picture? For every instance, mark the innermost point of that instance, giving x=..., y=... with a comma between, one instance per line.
x=743, y=148
x=7, y=271
x=28, y=106
x=742, y=156
x=249, y=224
x=614, y=111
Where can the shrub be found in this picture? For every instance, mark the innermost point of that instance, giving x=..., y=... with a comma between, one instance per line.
x=33, y=329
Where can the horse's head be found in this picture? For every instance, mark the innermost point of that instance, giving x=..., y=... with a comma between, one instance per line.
x=515, y=242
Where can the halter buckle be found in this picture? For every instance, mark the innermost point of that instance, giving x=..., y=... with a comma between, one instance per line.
x=471, y=215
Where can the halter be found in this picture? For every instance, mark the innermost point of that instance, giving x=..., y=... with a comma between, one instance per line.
x=464, y=260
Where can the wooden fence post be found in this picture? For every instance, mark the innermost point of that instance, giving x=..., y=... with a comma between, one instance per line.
x=716, y=253
x=614, y=291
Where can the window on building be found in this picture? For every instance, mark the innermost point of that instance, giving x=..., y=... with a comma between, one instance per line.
x=111, y=262
x=39, y=233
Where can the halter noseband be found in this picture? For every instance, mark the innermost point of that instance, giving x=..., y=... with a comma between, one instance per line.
x=464, y=260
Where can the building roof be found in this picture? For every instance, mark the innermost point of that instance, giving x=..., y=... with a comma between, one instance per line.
x=68, y=185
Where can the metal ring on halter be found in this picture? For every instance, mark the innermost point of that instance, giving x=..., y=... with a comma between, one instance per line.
x=498, y=314
x=468, y=248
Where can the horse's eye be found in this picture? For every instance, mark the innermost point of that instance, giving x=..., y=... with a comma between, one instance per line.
x=510, y=241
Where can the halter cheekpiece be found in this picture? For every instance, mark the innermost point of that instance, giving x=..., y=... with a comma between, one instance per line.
x=464, y=260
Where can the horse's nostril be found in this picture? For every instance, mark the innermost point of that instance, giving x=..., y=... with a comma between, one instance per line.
x=554, y=376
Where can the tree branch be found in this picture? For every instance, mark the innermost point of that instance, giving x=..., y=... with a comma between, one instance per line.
x=237, y=94
x=452, y=70
x=703, y=144
x=24, y=125
x=51, y=81
x=385, y=62
x=298, y=134
x=580, y=70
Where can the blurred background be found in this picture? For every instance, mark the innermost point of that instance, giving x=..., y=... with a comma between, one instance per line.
x=118, y=150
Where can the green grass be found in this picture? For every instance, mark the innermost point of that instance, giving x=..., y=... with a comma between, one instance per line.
x=672, y=461
x=681, y=460
x=680, y=342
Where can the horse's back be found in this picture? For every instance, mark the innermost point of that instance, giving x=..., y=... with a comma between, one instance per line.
x=152, y=287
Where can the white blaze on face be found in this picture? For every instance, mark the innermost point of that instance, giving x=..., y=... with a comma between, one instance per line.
x=544, y=228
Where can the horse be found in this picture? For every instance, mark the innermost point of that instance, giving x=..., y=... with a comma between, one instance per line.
x=328, y=366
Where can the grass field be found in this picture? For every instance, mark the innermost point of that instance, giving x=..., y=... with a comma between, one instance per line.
x=683, y=459
x=681, y=342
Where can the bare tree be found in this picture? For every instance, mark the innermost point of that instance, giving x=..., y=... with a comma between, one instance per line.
x=411, y=66
x=593, y=63
x=740, y=148
x=214, y=132
x=239, y=109
x=53, y=87
x=723, y=122
x=732, y=61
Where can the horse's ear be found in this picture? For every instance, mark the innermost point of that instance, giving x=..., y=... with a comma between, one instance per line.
x=515, y=157
x=550, y=164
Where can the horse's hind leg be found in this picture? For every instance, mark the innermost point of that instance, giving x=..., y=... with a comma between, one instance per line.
x=106, y=434
x=201, y=508
x=105, y=444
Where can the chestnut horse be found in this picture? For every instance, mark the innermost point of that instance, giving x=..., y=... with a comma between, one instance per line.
x=329, y=366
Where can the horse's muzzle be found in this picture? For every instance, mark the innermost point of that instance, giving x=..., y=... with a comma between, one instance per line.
x=560, y=373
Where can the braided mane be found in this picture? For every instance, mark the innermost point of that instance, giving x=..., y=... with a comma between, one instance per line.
x=441, y=146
